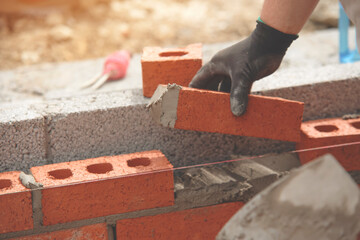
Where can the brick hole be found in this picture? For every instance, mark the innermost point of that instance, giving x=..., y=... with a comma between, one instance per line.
x=326, y=128
x=5, y=183
x=60, y=173
x=136, y=162
x=173, y=54
x=99, y=168
x=356, y=125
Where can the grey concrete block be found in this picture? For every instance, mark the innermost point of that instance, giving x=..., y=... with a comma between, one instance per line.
x=328, y=91
x=22, y=138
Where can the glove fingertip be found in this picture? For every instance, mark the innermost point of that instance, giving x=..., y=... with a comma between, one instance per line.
x=238, y=108
x=198, y=79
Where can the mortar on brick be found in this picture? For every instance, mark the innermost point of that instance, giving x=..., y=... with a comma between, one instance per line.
x=36, y=197
x=29, y=181
x=163, y=104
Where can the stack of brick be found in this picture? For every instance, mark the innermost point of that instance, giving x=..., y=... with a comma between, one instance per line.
x=130, y=195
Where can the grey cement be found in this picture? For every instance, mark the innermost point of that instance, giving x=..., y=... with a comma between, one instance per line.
x=163, y=104
x=301, y=206
x=29, y=181
x=36, y=197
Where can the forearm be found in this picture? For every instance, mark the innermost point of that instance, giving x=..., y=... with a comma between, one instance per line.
x=287, y=16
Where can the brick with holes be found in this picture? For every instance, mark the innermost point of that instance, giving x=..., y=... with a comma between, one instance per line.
x=325, y=134
x=104, y=186
x=15, y=204
x=164, y=65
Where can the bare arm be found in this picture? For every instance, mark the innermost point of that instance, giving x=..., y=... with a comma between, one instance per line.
x=287, y=16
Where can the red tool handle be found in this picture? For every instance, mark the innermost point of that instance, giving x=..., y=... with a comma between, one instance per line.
x=117, y=64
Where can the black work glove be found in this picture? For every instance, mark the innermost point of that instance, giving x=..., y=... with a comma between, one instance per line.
x=234, y=69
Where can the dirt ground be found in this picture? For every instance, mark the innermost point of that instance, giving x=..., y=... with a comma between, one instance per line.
x=67, y=30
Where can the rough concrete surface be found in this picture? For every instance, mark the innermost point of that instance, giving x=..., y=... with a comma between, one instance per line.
x=327, y=91
x=22, y=138
x=317, y=201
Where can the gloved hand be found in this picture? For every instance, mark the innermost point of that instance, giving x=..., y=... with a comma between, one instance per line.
x=235, y=68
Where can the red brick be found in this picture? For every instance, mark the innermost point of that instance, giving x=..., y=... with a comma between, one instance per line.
x=15, y=204
x=104, y=186
x=197, y=223
x=327, y=132
x=266, y=117
x=163, y=66
x=91, y=232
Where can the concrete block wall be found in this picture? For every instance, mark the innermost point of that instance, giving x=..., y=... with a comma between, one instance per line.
x=327, y=91
x=116, y=123
x=103, y=124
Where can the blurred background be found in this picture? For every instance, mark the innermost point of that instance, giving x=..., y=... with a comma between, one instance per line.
x=38, y=31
